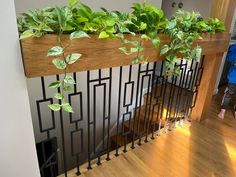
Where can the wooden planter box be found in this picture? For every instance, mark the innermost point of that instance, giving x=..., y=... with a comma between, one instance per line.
x=99, y=53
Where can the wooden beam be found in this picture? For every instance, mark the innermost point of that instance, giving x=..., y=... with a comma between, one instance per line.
x=98, y=54
x=211, y=65
x=224, y=10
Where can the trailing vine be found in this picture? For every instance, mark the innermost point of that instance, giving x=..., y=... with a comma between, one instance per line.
x=62, y=63
x=145, y=21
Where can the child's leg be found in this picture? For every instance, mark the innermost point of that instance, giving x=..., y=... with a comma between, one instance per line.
x=229, y=92
x=235, y=111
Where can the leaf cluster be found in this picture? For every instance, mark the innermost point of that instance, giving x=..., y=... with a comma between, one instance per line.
x=77, y=16
x=146, y=21
x=61, y=61
x=183, y=29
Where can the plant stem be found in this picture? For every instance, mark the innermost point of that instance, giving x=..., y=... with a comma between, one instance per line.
x=65, y=70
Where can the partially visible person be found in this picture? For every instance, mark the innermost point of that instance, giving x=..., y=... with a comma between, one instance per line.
x=231, y=89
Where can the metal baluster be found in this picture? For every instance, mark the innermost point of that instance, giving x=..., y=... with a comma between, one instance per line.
x=127, y=105
x=62, y=133
x=157, y=99
x=118, y=112
x=176, y=107
x=171, y=100
x=181, y=92
x=150, y=103
x=169, y=103
x=189, y=80
x=105, y=149
x=192, y=87
x=162, y=104
x=88, y=109
x=140, y=103
x=109, y=115
x=76, y=122
x=135, y=109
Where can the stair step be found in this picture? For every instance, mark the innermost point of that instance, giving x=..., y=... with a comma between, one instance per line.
x=141, y=124
x=120, y=140
x=157, y=89
x=128, y=130
x=153, y=115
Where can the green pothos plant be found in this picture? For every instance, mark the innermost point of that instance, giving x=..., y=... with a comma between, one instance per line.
x=146, y=22
x=61, y=61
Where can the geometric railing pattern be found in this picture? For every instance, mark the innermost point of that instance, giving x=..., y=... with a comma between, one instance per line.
x=114, y=108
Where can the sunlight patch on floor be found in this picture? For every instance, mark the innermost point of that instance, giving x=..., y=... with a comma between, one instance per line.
x=185, y=131
x=231, y=150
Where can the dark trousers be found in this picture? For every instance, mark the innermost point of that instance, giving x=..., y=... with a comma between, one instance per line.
x=229, y=93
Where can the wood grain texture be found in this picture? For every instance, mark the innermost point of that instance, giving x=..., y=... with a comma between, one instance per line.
x=211, y=67
x=206, y=149
x=224, y=10
x=98, y=54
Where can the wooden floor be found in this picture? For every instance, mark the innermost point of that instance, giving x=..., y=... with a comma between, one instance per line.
x=207, y=149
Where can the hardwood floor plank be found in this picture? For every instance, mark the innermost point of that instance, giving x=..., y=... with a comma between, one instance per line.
x=206, y=149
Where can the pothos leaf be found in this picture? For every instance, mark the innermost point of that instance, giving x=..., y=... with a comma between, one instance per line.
x=136, y=6
x=143, y=26
x=120, y=35
x=134, y=43
x=54, y=51
x=197, y=53
x=110, y=21
x=164, y=49
x=26, y=34
x=60, y=13
x=171, y=24
x=176, y=71
x=103, y=35
x=78, y=34
x=55, y=107
x=133, y=50
x=58, y=96
x=123, y=49
x=60, y=64
x=156, y=42
x=153, y=34
x=73, y=3
x=135, y=60
x=144, y=36
x=180, y=12
x=55, y=85
x=142, y=56
x=144, y=62
x=69, y=80
x=124, y=30
x=67, y=88
x=72, y=58
x=67, y=108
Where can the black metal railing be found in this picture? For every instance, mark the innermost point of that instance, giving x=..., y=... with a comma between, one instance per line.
x=115, y=108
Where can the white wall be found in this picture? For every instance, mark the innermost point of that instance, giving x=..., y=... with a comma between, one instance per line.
x=17, y=149
x=202, y=6
x=123, y=5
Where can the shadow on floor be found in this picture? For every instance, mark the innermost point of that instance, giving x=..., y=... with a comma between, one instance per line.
x=212, y=145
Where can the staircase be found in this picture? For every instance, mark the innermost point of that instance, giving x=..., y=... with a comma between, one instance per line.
x=153, y=116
